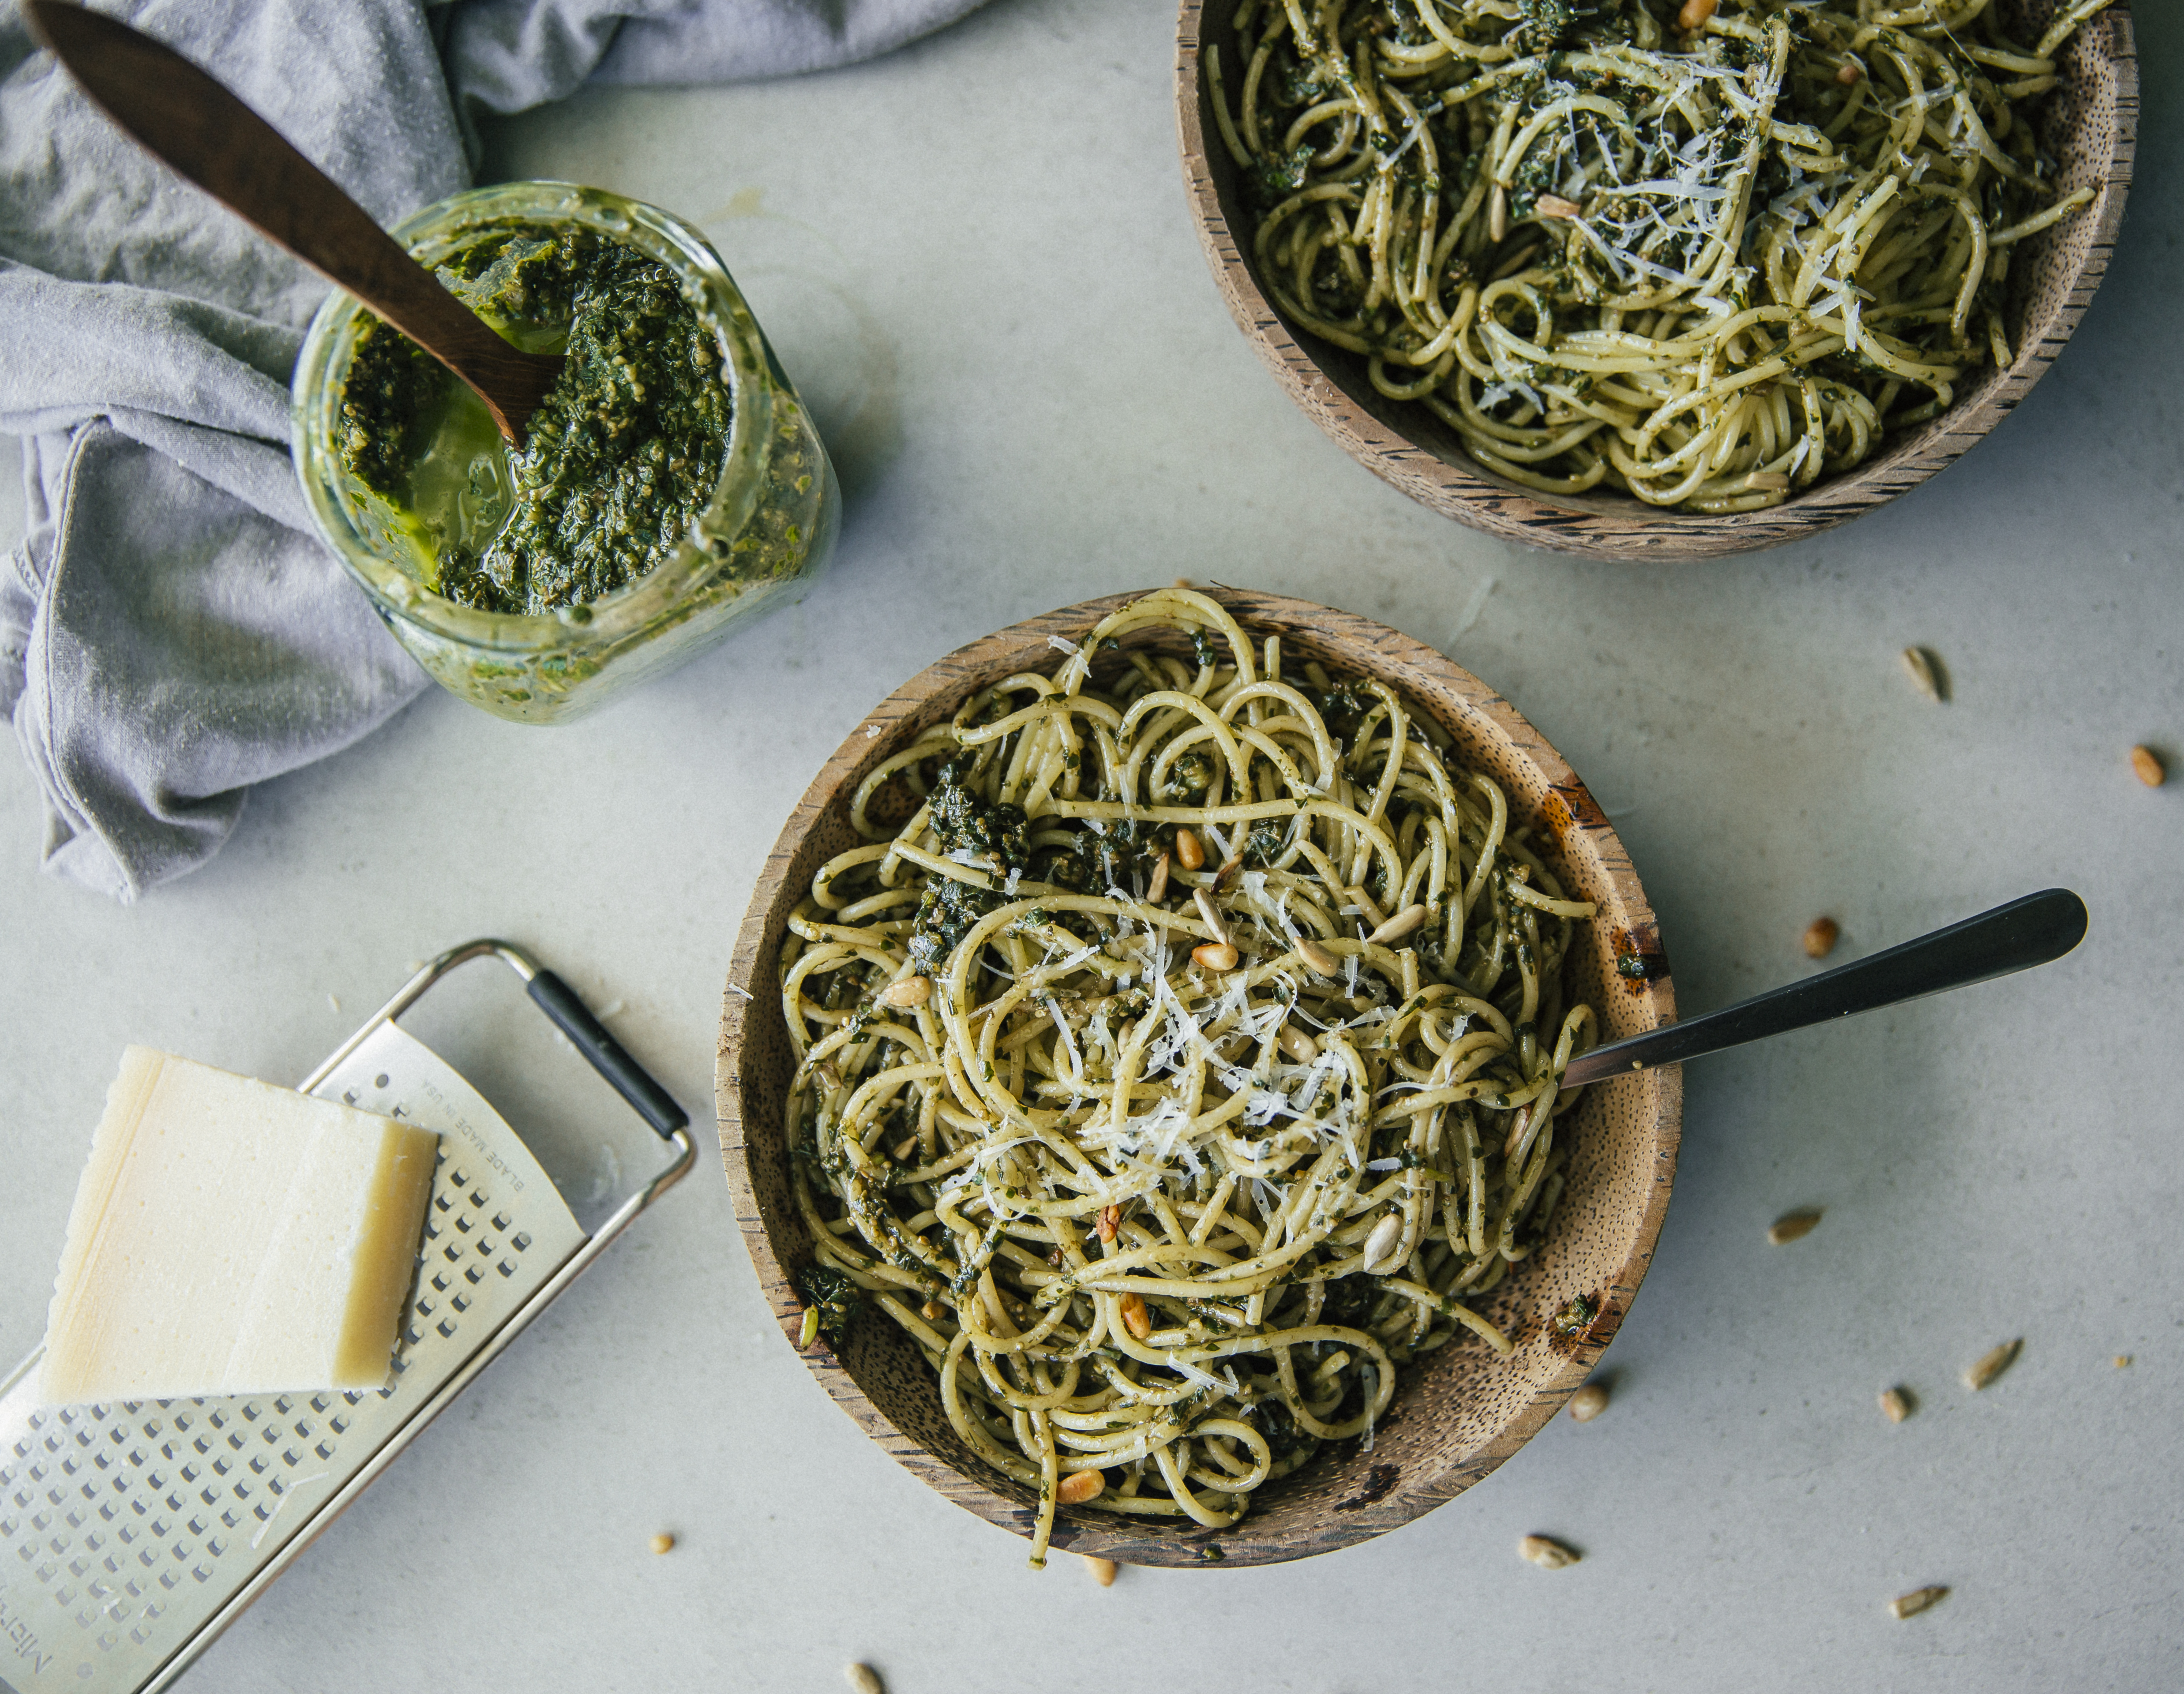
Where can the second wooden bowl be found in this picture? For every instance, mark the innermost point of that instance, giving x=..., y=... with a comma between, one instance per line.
x=2089, y=124
x=1461, y=1411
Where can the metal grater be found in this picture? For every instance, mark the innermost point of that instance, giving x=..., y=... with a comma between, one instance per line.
x=131, y=1534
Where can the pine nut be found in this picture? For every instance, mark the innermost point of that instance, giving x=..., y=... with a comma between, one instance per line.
x=1103, y=1570
x=864, y=1679
x=909, y=991
x=1110, y=1216
x=1694, y=14
x=1215, y=955
x=1189, y=853
x=1229, y=868
x=1079, y=1486
x=1895, y=1404
x=1211, y=914
x=1135, y=1319
x=1157, y=889
x=1321, y=961
x=1917, y=1600
x=1850, y=76
x=933, y=1311
x=1395, y=928
x=663, y=1542
x=1497, y=213
x=903, y=1149
x=1381, y=1245
x=1554, y=206
x=1925, y=675
x=1820, y=937
x=1546, y=1554
x=1991, y=1364
x=1297, y=1045
x=2147, y=763
x=1588, y=1402
x=1793, y=1226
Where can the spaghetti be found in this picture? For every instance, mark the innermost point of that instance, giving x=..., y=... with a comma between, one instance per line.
x=1700, y=252
x=1183, y=1066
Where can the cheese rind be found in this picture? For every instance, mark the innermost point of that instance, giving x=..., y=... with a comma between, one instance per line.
x=230, y=1237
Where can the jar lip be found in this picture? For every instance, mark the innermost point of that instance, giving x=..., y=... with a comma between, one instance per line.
x=430, y=232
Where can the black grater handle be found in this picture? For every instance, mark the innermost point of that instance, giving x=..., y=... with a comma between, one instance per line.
x=607, y=1055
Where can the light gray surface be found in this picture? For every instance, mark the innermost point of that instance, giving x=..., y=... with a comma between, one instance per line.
x=975, y=258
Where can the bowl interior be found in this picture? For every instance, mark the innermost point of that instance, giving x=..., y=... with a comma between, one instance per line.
x=1462, y=1411
x=2088, y=123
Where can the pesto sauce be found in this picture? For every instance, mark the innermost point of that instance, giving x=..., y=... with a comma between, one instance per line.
x=618, y=463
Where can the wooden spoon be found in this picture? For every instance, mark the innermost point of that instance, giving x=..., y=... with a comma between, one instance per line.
x=189, y=122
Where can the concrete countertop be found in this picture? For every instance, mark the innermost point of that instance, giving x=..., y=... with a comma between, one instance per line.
x=976, y=259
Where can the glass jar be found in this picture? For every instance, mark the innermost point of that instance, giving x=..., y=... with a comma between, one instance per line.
x=769, y=525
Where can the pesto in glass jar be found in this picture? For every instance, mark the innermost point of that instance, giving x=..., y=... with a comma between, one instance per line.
x=618, y=461
x=671, y=485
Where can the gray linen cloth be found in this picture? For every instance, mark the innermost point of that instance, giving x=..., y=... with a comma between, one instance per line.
x=171, y=630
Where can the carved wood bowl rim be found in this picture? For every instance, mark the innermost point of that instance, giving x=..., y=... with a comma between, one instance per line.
x=1490, y=733
x=2050, y=288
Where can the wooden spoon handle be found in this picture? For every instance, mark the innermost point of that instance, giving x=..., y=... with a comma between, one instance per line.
x=194, y=126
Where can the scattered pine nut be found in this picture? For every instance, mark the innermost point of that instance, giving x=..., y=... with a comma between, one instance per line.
x=1917, y=1600
x=1991, y=1364
x=810, y=1333
x=1546, y=1554
x=1079, y=1486
x=1211, y=913
x=1135, y=1319
x=663, y=1542
x=1110, y=1217
x=1189, y=853
x=1497, y=213
x=1794, y=1226
x=1925, y=675
x=1896, y=1404
x=1554, y=206
x=933, y=1311
x=1588, y=1402
x=1157, y=889
x=1321, y=961
x=1850, y=76
x=1103, y=1570
x=903, y=1148
x=1215, y=955
x=1411, y=917
x=1297, y=1045
x=1694, y=14
x=1768, y=482
x=1821, y=935
x=1380, y=1245
x=1234, y=863
x=2147, y=763
x=864, y=1679
x=2123, y=1361
x=911, y=991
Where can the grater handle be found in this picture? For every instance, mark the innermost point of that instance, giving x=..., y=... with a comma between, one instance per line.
x=607, y=1055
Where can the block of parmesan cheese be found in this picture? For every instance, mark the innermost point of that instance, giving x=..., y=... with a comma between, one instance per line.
x=230, y=1237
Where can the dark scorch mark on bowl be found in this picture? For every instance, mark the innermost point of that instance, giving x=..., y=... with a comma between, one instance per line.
x=1378, y=1481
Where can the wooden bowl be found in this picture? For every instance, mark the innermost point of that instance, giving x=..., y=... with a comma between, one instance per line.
x=1462, y=1411
x=2089, y=123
